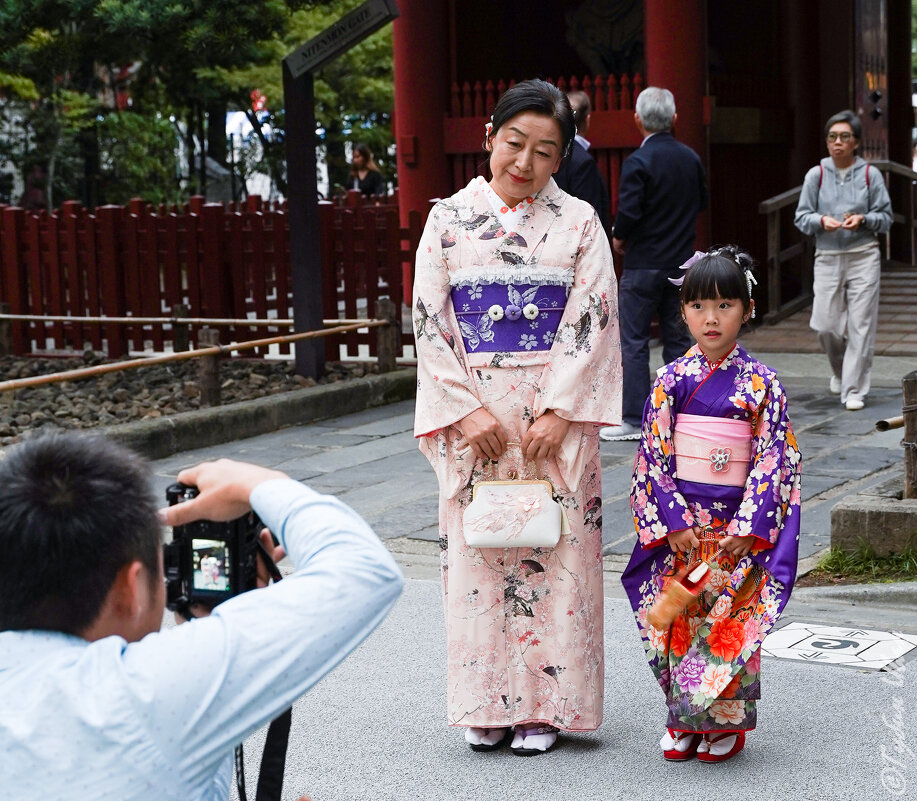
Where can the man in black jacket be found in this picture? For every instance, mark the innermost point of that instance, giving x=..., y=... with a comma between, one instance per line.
x=662, y=190
x=578, y=174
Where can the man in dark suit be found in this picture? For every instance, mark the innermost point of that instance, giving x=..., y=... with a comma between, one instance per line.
x=662, y=190
x=578, y=174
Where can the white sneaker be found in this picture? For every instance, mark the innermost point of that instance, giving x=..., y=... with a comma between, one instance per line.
x=620, y=433
x=834, y=385
x=854, y=404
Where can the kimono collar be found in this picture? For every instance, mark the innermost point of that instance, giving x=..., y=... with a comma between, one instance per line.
x=737, y=353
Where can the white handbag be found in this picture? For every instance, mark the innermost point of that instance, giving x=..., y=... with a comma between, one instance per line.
x=520, y=513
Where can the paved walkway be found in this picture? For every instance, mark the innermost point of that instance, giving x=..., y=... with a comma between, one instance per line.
x=370, y=459
x=895, y=334
x=375, y=726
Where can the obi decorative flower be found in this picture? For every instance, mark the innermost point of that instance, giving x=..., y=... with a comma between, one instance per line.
x=531, y=311
x=495, y=313
x=513, y=312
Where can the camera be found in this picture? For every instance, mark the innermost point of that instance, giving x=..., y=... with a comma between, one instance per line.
x=208, y=562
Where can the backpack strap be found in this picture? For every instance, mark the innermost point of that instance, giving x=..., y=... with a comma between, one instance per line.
x=821, y=174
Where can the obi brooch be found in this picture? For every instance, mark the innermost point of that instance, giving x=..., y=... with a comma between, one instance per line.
x=513, y=312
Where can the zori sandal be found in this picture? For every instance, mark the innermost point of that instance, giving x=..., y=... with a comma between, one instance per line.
x=679, y=746
x=531, y=740
x=486, y=739
x=716, y=746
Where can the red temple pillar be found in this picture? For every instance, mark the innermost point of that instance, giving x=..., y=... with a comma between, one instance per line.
x=676, y=59
x=420, y=40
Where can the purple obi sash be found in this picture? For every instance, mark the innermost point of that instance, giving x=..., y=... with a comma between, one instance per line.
x=508, y=317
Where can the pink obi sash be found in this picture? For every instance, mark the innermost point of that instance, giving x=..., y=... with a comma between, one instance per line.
x=712, y=450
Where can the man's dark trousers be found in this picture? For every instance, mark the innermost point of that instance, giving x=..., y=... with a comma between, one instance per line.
x=642, y=294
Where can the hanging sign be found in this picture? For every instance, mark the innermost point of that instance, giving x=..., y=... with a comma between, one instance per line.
x=344, y=34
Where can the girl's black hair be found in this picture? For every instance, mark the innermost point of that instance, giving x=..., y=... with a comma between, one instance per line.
x=719, y=274
x=539, y=97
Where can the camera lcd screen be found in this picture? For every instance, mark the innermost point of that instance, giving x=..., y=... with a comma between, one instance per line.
x=210, y=564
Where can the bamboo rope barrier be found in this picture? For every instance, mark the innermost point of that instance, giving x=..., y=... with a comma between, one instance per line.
x=36, y=318
x=101, y=369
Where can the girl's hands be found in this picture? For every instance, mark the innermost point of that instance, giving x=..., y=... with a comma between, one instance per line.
x=543, y=439
x=736, y=546
x=483, y=433
x=683, y=541
x=831, y=224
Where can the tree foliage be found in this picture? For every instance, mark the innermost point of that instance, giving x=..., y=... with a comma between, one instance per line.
x=191, y=60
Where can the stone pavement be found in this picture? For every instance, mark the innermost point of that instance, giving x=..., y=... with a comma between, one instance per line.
x=375, y=726
x=371, y=461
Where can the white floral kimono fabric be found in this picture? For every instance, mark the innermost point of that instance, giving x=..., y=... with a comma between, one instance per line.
x=519, y=322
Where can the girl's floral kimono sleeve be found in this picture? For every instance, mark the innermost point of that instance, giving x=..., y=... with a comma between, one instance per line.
x=444, y=394
x=581, y=380
x=772, y=492
x=658, y=507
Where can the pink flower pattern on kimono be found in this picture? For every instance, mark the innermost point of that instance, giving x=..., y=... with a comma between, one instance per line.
x=538, y=611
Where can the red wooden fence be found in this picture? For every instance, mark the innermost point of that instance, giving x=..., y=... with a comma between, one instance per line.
x=218, y=262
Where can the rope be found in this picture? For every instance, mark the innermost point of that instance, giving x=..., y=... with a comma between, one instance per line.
x=213, y=350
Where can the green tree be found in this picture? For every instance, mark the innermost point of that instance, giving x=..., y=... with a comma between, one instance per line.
x=354, y=94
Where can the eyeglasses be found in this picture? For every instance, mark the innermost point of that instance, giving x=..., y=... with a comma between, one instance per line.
x=844, y=136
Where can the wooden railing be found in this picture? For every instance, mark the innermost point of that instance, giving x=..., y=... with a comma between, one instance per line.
x=790, y=254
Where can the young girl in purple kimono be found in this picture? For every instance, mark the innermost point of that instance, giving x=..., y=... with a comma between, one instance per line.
x=716, y=479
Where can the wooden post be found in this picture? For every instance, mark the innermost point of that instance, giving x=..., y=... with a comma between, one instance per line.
x=773, y=262
x=387, y=336
x=209, y=375
x=6, y=335
x=909, y=409
x=302, y=211
x=180, y=333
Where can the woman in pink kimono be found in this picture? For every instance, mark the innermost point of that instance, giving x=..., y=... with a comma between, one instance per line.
x=515, y=314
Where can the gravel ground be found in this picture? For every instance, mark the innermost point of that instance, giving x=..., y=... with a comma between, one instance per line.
x=138, y=394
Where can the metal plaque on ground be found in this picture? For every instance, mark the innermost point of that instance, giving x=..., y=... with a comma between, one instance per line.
x=835, y=645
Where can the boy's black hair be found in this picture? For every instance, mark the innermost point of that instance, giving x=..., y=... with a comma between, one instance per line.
x=74, y=510
x=721, y=273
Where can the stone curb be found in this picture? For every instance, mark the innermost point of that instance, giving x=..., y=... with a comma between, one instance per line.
x=901, y=594
x=161, y=437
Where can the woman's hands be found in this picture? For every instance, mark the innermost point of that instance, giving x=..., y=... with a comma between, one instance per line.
x=543, y=439
x=483, y=433
x=849, y=223
x=853, y=222
x=487, y=438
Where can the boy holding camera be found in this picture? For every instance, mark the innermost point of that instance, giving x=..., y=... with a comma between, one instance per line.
x=95, y=701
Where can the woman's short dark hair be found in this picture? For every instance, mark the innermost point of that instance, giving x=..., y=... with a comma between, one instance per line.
x=850, y=118
x=74, y=510
x=539, y=97
x=721, y=273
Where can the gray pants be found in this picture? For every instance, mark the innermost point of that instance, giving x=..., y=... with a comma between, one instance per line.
x=844, y=313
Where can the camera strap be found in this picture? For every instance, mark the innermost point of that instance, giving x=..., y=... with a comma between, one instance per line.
x=274, y=757
x=273, y=760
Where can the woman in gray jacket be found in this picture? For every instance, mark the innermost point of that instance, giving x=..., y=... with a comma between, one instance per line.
x=845, y=204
